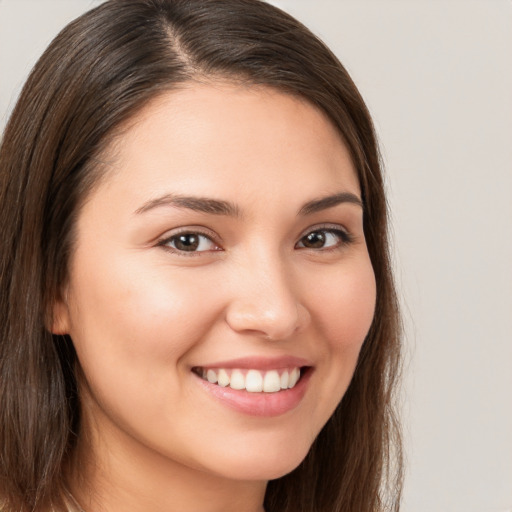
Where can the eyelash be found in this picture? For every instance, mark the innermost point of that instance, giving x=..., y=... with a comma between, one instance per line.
x=164, y=242
x=344, y=237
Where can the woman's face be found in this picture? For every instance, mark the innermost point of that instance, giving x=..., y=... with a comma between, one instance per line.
x=225, y=244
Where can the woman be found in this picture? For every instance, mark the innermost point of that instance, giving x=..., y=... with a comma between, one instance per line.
x=197, y=306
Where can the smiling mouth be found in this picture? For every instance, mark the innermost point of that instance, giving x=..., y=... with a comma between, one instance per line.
x=252, y=380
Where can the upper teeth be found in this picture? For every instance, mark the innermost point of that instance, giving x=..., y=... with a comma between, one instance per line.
x=254, y=381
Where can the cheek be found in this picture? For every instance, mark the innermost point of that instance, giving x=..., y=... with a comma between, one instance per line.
x=342, y=306
x=132, y=329
x=125, y=317
x=346, y=308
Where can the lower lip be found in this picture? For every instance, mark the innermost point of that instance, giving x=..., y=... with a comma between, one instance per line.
x=260, y=404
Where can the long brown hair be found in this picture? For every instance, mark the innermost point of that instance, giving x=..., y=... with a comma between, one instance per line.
x=98, y=72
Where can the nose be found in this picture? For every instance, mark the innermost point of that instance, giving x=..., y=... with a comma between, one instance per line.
x=266, y=301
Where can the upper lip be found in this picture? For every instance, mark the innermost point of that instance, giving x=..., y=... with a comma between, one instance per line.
x=260, y=363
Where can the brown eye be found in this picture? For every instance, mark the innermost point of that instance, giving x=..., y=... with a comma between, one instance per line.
x=189, y=242
x=315, y=240
x=324, y=239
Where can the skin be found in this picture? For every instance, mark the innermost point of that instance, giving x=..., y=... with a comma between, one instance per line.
x=142, y=314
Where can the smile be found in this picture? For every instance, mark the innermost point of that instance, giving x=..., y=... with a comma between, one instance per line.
x=251, y=380
x=257, y=386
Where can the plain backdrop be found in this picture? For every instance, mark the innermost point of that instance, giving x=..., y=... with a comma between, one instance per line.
x=437, y=77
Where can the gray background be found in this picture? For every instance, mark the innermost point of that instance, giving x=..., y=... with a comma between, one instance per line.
x=437, y=76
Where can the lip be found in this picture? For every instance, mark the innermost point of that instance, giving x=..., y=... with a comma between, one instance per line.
x=260, y=363
x=258, y=404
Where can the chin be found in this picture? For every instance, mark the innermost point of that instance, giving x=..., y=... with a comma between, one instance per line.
x=264, y=463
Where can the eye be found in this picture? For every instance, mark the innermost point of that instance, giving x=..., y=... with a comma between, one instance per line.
x=324, y=239
x=189, y=242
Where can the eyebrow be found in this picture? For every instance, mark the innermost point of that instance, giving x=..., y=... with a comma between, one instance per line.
x=220, y=207
x=317, y=205
x=198, y=204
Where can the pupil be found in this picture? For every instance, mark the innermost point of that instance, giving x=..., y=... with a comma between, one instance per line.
x=315, y=240
x=187, y=242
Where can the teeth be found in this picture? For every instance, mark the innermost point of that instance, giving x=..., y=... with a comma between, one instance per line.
x=253, y=381
x=223, y=378
x=271, y=382
x=237, y=380
x=284, y=380
x=293, y=378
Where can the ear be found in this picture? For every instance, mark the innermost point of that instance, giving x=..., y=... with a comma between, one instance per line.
x=59, y=322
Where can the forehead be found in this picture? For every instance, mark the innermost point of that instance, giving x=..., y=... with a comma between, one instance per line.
x=225, y=139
